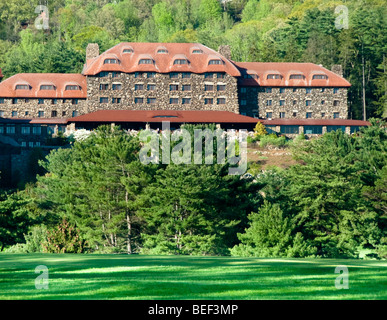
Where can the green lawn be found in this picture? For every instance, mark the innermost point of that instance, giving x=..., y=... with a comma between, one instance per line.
x=181, y=277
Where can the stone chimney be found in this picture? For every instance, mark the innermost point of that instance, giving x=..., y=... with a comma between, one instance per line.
x=338, y=69
x=92, y=51
x=225, y=51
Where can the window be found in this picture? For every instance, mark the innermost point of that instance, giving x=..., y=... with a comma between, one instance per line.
x=322, y=101
x=197, y=51
x=75, y=113
x=208, y=75
x=294, y=89
x=1, y=113
x=116, y=74
x=162, y=51
x=282, y=90
x=173, y=75
x=282, y=102
x=322, y=89
x=208, y=87
x=54, y=101
x=127, y=51
x=103, y=74
x=54, y=114
x=26, y=100
x=180, y=61
x=116, y=100
x=308, y=103
x=335, y=90
x=243, y=102
x=282, y=115
x=173, y=87
x=308, y=90
x=63, y=113
x=110, y=61
x=74, y=101
x=336, y=103
x=15, y=101
x=116, y=86
x=64, y=100
x=308, y=115
x=138, y=86
x=269, y=115
x=215, y=61
x=1, y=130
x=40, y=101
x=221, y=87
x=145, y=61
x=37, y=130
x=72, y=87
x=186, y=87
x=103, y=86
x=25, y=130
x=296, y=77
x=37, y=144
x=151, y=87
x=10, y=130
x=47, y=87
x=103, y=100
x=221, y=101
x=173, y=100
x=151, y=100
x=336, y=115
x=269, y=102
x=40, y=114
x=322, y=114
x=30, y=144
x=273, y=76
x=186, y=75
x=243, y=90
x=268, y=90
x=294, y=114
x=335, y=128
x=14, y=113
x=313, y=129
x=138, y=74
x=150, y=75
x=289, y=129
x=220, y=75
x=186, y=101
x=22, y=87
x=138, y=100
x=208, y=101
x=1, y=100
x=319, y=77
x=24, y=144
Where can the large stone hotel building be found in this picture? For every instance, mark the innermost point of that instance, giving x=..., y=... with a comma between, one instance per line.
x=177, y=76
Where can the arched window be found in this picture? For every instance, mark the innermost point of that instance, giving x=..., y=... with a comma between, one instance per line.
x=72, y=87
x=180, y=61
x=47, y=87
x=128, y=50
x=110, y=61
x=296, y=77
x=215, y=61
x=22, y=87
x=145, y=61
x=273, y=76
x=320, y=77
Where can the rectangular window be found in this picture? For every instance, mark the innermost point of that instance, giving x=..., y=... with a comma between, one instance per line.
x=2, y=113
x=208, y=101
x=115, y=74
x=221, y=101
x=24, y=144
x=334, y=128
x=282, y=102
x=14, y=113
x=25, y=130
x=173, y=75
x=103, y=86
x=336, y=115
x=37, y=130
x=294, y=89
x=208, y=75
x=117, y=86
x=151, y=100
x=186, y=87
x=173, y=100
x=308, y=90
x=221, y=87
x=1, y=100
x=37, y=144
x=289, y=129
x=103, y=74
x=75, y=113
x=103, y=100
x=15, y=101
x=220, y=75
x=151, y=75
x=243, y=102
x=30, y=144
x=116, y=100
x=208, y=87
x=313, y=129
x=294, y=114
x=54, y=101
x=268, y=90
x=138, y=74
x=74, y=101
x=322, y=114
x=54, y=114
x=243, y=90
x=282, y=90
x=322, y=89
x=186, y=75
x=138, y=86
x=10, y=130
x=173, y=87
x=40, y=101
x=282, y=115
x=308, y=115
x=269, y=115
x=151, y=87
x=139, y=100
x=308, y=103
x=268, y=102
x=336, y=103
x=322, y=101
x=335, y=90
x=186, y=101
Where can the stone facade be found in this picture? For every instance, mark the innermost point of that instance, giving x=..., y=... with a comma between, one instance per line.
x=294, y=103
x=158, y=91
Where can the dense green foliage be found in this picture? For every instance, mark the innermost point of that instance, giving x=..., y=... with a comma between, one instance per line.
x=265, y=30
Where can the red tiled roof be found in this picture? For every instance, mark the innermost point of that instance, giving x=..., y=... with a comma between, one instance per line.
x=285, y=70
x=316, y=122
x=116, y=116
x=35, y=80
x=162, y=62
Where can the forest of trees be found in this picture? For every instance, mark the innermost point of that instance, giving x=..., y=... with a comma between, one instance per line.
x=256, y=30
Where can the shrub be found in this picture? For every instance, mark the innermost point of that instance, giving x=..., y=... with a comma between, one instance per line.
x=273, y=140
x=260, y=129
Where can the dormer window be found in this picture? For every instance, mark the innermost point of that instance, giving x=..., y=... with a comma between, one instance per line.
x=110, y=61
x=162, y=51
x=73, y=87
x=320, y=77
x=22, y=87
x=145, y=61
x=47, y=87
x=180, y=61
x=215, y=61
x=127, y=51
x=296, y=77
x=273, y=76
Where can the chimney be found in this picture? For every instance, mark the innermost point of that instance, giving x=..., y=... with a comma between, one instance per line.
x=338, y=69
x=92, y=51
x=225, y=51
